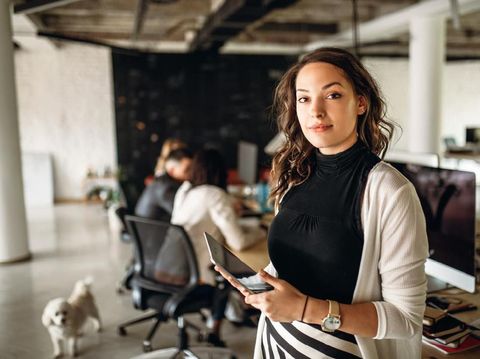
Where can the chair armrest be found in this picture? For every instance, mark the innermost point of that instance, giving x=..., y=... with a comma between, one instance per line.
x=155, y=286
x=174, y=301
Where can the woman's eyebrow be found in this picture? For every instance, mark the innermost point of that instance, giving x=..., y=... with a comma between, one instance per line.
x=324, y=87
x=331, y=84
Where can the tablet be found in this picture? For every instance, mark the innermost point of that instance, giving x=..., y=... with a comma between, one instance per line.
x=230, y=263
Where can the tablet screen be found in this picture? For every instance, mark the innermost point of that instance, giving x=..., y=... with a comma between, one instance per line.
x=234, y=266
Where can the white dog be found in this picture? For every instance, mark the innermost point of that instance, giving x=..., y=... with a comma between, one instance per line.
x=65, y=319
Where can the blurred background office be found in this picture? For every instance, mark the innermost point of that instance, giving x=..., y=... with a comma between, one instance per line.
x=91, y=89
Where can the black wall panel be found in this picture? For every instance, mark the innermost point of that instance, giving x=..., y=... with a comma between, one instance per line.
x=204, y=99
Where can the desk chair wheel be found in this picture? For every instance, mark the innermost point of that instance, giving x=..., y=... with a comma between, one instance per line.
x=121, y=331
x=147, y=346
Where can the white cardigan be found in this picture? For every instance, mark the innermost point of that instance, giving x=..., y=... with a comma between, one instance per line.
x=391, y=273
x=209, y=209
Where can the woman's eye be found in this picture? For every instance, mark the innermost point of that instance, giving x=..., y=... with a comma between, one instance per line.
x=302, y=99
x=334, y=96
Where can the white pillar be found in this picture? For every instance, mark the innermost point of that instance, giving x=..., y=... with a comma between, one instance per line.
x=13, y=223
x=427, y=56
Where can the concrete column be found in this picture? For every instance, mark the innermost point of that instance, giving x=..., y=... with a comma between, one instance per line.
x=427, y=56
x=13, y=223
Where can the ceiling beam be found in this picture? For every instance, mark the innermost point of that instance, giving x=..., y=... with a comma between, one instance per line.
x=26, y=26
x=35, y=6
x=227, y=8
x=63, y=38
x=394, y=24
x=37, y=21
x=218, y=29
x=260, y=48
x=305, y=27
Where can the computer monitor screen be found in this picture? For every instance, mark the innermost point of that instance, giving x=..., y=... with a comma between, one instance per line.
x=472, y=135
x=424, y=159
x=247, y=162
x=448, y=201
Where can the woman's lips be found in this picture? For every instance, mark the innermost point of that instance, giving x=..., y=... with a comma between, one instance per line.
x=320, y=128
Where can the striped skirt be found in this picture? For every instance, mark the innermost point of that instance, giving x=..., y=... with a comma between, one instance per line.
x=300, y=340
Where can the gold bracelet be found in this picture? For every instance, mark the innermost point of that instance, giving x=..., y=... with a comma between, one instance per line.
x=304, y=307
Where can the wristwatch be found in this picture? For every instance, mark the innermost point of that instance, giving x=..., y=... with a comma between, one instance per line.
x=332, y=321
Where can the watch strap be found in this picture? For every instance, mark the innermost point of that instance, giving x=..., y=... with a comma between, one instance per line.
x=333, y=308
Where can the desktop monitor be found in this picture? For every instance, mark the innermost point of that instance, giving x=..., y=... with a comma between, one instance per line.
x=472, y=135
x=424, y=159
x=247, y=162
x=448, y=201
x=275, y=144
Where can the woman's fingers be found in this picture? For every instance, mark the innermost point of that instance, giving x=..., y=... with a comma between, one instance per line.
x=224, y=274
x=242, y=290
x=234, y=282
x=257, y=301
x=267, y=278
x=282, y=304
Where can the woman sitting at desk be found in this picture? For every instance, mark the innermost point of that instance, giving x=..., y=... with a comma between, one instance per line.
x=203, y=205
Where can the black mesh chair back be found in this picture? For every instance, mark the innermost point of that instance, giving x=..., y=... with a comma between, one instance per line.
x=129, y=194
x=164, y=253
x=166, y=279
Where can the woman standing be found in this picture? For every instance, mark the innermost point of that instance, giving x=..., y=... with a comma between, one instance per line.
x=348, y=243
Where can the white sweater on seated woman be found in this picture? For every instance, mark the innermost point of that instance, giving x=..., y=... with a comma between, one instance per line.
x=207, y=208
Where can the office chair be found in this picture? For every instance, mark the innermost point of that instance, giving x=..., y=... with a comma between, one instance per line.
x=126, y=208
x=166, y=279
x=124, y=283
x=121, y=212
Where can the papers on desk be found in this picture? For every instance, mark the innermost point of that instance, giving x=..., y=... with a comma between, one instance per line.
x=469, y=343
x=447, y=333
x=249, y=221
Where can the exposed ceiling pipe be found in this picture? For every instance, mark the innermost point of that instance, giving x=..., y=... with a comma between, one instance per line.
x=141, y=11
x=455, y=15
x=355, y=27
x=397, y=23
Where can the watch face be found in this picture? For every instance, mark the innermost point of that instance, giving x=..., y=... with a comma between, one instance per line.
x=331, y=323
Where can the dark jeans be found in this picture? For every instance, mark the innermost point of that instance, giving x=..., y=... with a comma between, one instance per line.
x=219, y=295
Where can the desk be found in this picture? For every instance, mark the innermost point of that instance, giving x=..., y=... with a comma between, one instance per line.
x=431, y=353
x=475, y=156
x=256, y=256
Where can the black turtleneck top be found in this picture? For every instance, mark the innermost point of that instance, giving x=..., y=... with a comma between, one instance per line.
x=315, y=242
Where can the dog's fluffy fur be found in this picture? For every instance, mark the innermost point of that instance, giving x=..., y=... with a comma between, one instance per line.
x=65, y=319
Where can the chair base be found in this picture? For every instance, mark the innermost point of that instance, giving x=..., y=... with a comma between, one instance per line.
x=191, y=353
x=121, y=328
x=159, y=318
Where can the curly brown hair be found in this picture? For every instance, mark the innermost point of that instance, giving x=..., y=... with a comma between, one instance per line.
x=293, y=162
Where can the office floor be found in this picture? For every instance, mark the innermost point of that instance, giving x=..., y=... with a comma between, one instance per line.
x=70, y=242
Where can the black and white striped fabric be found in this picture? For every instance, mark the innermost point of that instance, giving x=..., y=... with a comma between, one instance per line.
x=304, y=341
